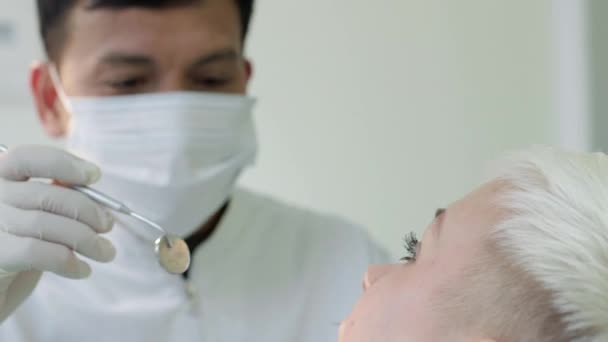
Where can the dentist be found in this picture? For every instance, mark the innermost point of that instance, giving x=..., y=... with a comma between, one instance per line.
x=151, y=97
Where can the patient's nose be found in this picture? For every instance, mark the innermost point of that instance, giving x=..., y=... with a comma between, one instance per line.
x=374, y=273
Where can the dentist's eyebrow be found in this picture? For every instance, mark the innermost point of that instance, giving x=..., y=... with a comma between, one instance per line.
x=225, y=55
x=123, y=59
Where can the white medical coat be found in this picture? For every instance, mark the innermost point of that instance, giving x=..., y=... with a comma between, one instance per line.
x=270, y=273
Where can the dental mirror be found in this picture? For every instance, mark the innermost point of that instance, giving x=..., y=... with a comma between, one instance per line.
x=172, y=252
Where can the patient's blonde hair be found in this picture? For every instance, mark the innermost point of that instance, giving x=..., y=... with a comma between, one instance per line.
x=544, y=273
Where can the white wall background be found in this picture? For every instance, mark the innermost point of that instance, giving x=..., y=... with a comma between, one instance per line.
x=382, y=111
x=598, y=46
x=19, y=46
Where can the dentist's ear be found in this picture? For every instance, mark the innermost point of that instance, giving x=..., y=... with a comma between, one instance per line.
x=248, y=70
x=247, y=74
x=52, y=116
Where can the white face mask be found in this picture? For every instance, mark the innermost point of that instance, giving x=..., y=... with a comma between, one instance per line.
x=174, y=157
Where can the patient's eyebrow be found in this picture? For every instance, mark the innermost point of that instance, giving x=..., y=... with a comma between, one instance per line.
x=439, y=213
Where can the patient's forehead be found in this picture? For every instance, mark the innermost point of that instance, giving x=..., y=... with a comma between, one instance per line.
x=479, y=209
x=467, y=223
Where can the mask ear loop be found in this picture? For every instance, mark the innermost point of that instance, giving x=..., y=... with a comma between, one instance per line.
x=63, y=98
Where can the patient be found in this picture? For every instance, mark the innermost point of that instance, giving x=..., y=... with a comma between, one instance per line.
x=522, y=258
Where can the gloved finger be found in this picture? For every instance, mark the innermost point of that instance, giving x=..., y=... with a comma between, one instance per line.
x=20, y=287
x=57, y=200
x=56, y=229
x=31, y=161
x=18, y=254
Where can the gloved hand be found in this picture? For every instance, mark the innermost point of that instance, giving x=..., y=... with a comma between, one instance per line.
x=42, y=225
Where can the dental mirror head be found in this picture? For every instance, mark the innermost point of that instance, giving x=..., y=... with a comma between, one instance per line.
x=173, y=254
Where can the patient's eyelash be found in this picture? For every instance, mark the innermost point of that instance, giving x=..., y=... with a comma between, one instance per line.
x=411, y=246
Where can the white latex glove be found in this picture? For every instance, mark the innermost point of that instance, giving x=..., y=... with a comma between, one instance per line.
x=42, y=226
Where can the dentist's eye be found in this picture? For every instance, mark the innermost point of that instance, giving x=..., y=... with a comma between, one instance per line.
x=212, y=82
x=126, y=85
x=411, y=245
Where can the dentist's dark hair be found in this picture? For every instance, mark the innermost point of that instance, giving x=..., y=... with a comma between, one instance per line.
x=52, y=16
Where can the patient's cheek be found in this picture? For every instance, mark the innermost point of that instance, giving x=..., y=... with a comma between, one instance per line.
x=397, y=307
x=345, y=331
x=362, y=323
x=375, y=315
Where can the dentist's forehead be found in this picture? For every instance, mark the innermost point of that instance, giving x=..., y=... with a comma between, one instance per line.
x=201, y=25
